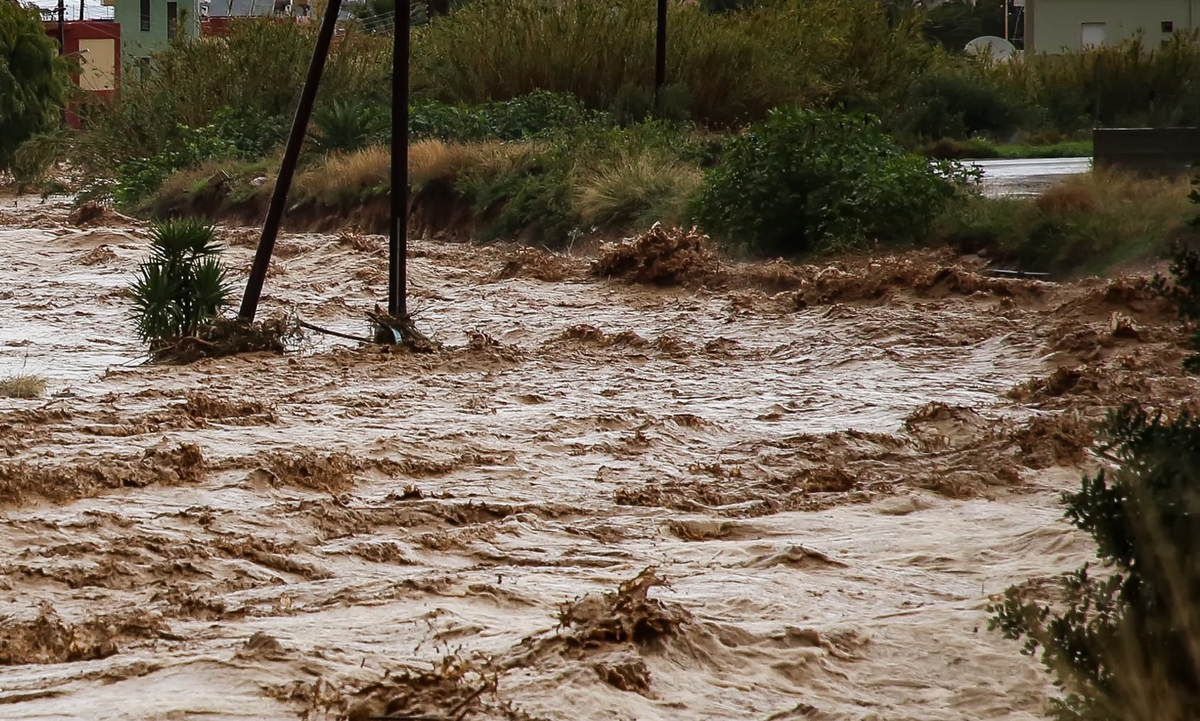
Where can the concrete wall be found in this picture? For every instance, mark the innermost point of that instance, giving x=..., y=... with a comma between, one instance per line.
x=1052, y=26
x=1146, y=150
x=136, y=43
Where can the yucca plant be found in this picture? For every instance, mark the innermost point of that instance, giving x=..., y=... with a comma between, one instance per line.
x=181, y=285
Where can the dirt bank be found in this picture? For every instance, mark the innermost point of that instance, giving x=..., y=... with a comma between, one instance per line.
x=829, y=469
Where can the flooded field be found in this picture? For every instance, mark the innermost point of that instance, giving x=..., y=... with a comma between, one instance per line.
x=831, y=470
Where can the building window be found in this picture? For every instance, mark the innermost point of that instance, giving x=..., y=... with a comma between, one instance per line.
x=1168, y=26
x=145, y=16
x=172, y=19
x=1092, y=35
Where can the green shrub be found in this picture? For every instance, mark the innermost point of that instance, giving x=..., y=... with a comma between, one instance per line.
x=1184, y=286
x=727, y=68
x=958, y=104
x=257, y=69
x=807, y=179
x=181, y=285
x=231, y=135
x=536, y=115
x=1123, y=645
x=347, y=126
x=1125, y=84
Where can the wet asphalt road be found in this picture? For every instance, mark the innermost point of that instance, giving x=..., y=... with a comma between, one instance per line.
x=1027, y=177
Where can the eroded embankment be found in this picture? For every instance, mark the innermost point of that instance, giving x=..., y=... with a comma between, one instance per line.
x=831, y=468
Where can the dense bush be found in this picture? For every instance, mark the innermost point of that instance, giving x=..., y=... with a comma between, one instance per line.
x=1123, y=644
x=1126, y=84
x=33, y=79
x=538, y=114
x=958, y=104
x=258, y=69
x=807, y=179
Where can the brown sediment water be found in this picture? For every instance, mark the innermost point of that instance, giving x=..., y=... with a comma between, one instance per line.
x=832, y=469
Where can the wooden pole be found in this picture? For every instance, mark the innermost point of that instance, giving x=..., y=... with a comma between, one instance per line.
x=287, y=169
x=398, y=237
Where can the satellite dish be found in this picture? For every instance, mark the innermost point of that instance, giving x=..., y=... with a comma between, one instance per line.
x=995, y=47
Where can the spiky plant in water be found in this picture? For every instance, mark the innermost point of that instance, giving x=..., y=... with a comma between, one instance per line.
x=181, y=285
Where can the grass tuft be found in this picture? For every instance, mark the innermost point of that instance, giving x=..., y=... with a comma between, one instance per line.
x=642, y=187
x=22, y=385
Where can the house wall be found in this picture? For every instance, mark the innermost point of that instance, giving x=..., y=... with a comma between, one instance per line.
x=1052, y=26
x=96, y=45
x=138, y=44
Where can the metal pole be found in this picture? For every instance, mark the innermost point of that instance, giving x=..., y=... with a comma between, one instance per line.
x=291, y=155
x=398, y=240
x=81, y=10
x=660, y=52
x=1006, y=19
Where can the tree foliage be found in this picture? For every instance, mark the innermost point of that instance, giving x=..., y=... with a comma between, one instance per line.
x=33, y=79
x=1125, y=645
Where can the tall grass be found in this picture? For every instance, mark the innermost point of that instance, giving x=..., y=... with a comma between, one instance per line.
x=1123, y=84
x=1087, y=224
x=731, y=68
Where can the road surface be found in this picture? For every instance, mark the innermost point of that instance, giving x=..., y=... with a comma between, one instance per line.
x=1027, y=176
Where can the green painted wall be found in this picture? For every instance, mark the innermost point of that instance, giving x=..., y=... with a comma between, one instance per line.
x=136, y=43
x=1052, y=26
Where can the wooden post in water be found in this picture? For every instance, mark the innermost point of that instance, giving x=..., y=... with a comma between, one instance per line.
x=398, y=239
x=287, y=169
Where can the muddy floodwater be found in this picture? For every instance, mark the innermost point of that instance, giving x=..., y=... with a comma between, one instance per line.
x=830, y=470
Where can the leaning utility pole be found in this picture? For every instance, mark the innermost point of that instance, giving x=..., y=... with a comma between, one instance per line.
x=287, y=169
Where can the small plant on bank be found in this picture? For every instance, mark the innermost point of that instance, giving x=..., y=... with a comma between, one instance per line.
x=1125, y=645
x=181, y=286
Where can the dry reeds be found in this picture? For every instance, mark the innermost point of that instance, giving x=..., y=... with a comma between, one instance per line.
x=1088, y=223
x=22, y=385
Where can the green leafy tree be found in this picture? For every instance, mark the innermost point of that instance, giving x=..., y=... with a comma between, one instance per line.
x=181, y=285
x=33, y=79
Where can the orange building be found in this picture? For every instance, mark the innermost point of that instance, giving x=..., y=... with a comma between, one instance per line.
x=96, y=45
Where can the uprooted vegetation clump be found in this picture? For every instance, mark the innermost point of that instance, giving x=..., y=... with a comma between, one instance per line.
x=225, y=337
x=450, y=690
x=662, y=256
x=627, y=615
x=47, y=638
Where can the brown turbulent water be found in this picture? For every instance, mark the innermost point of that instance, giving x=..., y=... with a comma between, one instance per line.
x=833, y=478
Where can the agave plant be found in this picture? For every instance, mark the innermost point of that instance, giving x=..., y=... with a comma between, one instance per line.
x=347, y=126
x=181, y=285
